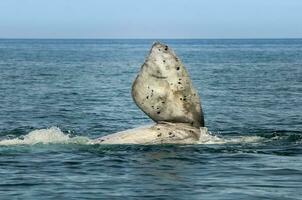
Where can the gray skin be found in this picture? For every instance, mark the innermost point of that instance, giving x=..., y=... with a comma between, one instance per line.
x=163, y=91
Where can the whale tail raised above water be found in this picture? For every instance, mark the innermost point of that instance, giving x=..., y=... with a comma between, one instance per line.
x=163, y=89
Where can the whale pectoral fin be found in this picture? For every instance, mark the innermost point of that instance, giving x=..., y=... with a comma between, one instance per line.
x=164, y=91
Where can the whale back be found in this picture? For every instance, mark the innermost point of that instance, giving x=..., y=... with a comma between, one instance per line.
x=163, y=89
x=160, y=133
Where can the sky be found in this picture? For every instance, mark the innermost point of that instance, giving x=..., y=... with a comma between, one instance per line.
x=150, y=18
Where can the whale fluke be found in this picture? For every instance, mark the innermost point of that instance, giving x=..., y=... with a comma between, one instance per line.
x=163, y=89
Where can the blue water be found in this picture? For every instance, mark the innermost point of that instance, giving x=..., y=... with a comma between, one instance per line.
x=55, y=95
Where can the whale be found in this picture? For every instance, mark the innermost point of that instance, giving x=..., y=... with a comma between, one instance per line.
x=164, y=91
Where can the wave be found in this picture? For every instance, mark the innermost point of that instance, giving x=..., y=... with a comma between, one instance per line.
x=52, y=135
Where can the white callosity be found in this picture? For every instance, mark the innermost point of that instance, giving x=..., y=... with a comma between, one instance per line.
x=163, y=89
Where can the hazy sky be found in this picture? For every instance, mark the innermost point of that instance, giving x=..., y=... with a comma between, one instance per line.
x=151, y=19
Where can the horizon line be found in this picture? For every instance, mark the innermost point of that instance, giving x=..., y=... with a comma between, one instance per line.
x=80, y=38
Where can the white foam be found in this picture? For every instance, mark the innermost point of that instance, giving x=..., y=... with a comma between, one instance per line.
x=244, y=139
x=51, y=135
x=207, y=137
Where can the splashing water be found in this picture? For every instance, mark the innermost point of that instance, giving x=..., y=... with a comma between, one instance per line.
x=52, y=135
x=208, y=137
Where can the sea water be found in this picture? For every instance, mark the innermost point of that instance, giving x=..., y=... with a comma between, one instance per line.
x=58, y=95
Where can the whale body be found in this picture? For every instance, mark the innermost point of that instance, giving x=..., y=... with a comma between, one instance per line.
x=163, y=91
x=160, y=133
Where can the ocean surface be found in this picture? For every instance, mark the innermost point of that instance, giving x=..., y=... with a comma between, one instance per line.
x=58, y=95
